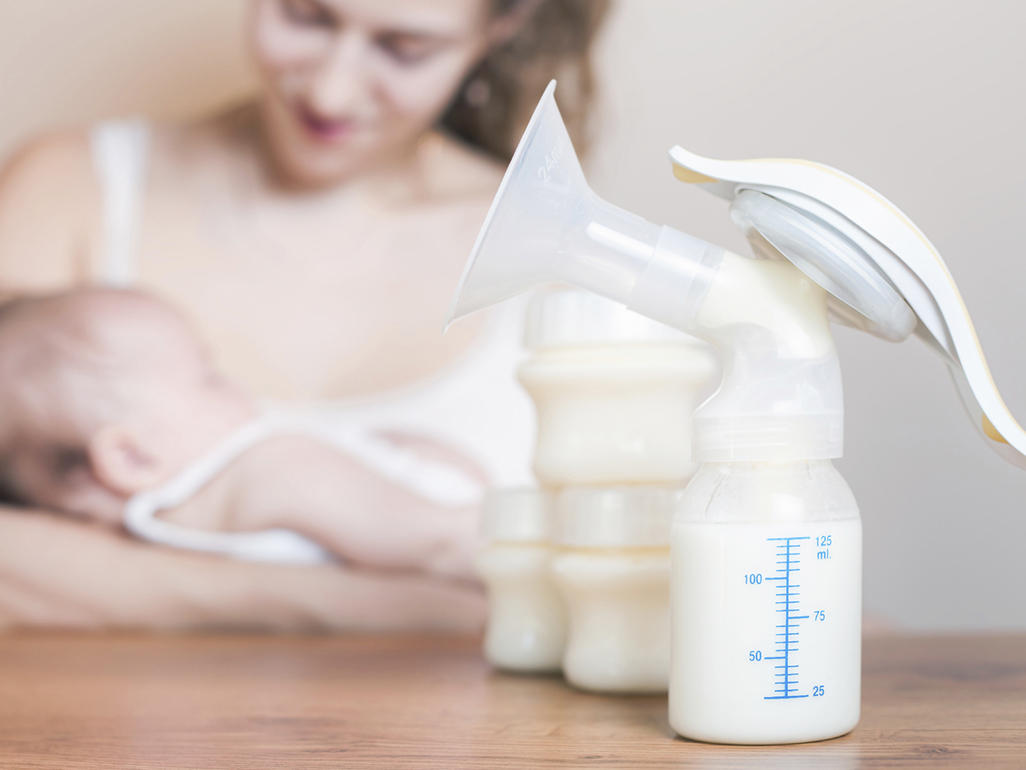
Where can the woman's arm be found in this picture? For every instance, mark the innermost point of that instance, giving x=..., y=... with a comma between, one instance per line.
x=305, y=485
x=57, y=572
x=49, y=204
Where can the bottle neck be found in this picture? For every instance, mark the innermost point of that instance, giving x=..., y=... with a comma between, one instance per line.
x=765, y=439
x=795, y=490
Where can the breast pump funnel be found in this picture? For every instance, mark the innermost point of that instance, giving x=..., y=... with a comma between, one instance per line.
x=546, y=225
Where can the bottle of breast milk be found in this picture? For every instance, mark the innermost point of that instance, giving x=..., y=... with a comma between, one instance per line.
x=613, y=391
x=526, y=627
x=612, y=568
x=766, y=596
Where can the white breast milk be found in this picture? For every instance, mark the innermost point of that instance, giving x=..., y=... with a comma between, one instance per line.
x=526, y=626
x=613, y=571
x=614, y=392
x=766, y=596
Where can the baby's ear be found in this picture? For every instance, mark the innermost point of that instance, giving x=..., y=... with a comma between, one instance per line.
x=124, y=461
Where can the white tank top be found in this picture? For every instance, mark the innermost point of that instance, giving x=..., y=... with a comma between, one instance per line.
x=473, y=406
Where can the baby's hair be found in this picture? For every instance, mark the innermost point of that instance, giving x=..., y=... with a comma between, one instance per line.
x=8, y=495
x=10, y=305
x=51, y=352
x=59, y=346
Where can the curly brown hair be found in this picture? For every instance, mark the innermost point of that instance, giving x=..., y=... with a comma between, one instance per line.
x=554, y=41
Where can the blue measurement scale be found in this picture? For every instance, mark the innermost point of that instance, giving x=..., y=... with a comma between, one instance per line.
x=790, y=608
x=787, y=599
x=775, y=649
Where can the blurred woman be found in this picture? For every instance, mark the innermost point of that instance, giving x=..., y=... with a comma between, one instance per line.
x=313, y=237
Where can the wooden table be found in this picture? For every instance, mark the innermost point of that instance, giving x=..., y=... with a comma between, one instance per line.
x=103, y=701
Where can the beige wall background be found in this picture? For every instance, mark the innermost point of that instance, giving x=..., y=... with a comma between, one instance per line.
x=920, y=98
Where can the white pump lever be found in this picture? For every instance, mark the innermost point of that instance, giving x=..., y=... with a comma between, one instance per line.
x=871, y=257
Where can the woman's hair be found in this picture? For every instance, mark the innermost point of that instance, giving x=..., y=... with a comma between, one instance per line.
x=496, y=97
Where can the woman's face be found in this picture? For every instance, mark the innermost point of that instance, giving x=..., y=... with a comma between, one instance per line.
x=351, y=83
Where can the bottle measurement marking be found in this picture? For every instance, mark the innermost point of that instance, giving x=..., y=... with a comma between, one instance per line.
x=786, y=672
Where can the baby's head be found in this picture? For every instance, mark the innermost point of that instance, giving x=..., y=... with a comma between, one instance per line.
x=103, y=393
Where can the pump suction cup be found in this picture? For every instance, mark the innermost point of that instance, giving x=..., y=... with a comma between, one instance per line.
x=832, y=260
x=546, y=225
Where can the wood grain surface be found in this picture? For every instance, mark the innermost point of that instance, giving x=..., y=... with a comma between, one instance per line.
x=125, y=701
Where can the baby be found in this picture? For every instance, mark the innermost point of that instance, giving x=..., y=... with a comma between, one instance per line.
x=107, y=394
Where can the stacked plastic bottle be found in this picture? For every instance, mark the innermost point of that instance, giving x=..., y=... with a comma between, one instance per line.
x=614, y=394
x=526, y=622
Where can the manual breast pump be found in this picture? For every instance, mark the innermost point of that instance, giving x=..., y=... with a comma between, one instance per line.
x=766, y=543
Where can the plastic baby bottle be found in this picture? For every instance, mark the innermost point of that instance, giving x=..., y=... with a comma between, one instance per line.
x=613, y=571
x=767, y=560
x=526, y=626
x=613, y=391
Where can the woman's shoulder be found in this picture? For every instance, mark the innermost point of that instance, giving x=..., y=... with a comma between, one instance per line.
x=48, y=199
x=57, y=163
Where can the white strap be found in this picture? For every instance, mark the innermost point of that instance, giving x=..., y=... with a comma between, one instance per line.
x=439, y=483
x=272, y=545
x=119, y=154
